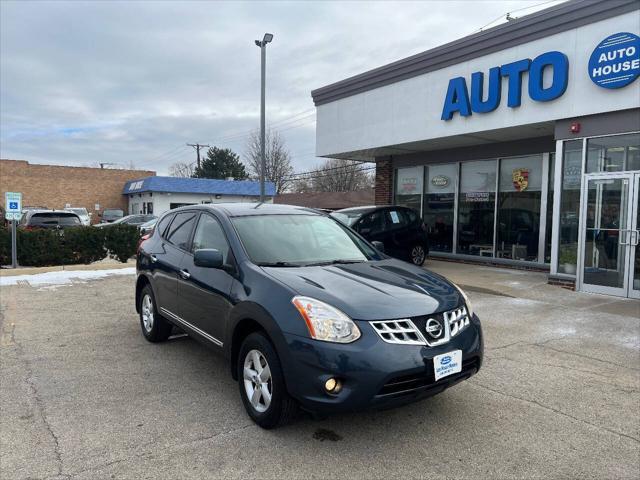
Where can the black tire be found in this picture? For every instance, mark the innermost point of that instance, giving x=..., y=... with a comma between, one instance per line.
x=282, y=409
x=418, y=254
x=159, y=329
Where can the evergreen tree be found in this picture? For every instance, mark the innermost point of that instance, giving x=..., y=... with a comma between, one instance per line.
x=221, y=163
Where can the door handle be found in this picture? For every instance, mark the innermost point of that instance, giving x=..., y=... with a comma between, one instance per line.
x=184, y=274
x=153, y=258
x=624, y=237
x=635, y=237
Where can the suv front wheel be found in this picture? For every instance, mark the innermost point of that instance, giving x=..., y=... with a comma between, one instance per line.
x=262, y=385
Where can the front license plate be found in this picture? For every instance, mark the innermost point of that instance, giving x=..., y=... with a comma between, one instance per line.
x=447, y=364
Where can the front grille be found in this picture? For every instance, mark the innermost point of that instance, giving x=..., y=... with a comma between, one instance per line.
x=431, y=330
x=458, y=319
x=408, y=384
x=398, y=331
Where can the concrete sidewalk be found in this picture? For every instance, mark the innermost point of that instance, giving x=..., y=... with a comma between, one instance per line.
x=529, y=285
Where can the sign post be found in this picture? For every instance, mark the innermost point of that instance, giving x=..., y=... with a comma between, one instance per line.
x=13, y=209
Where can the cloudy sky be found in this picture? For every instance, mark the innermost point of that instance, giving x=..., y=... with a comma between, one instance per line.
x=130, y=83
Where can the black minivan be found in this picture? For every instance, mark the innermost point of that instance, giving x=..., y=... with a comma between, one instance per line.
x=308, y=313
x=399, y=229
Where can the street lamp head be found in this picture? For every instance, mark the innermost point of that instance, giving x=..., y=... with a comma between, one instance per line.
x=267, y=38
x=258, y=43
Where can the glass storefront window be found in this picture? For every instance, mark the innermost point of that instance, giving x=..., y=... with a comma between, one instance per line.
x=476, y=206
x=570, y=206
x=409, y=187
x=617, y=153
x=519, y=198
x=438, y=205
x=549, y=231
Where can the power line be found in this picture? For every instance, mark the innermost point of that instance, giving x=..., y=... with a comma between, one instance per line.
x=323, y=171
x=354, y=164
x=508, y=17
x=313, y=177
x=289, y=122
x=197, y=146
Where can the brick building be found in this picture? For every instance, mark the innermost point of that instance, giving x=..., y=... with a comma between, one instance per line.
x=56, y=186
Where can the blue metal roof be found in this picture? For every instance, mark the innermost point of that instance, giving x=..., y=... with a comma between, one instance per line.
x=207, y=186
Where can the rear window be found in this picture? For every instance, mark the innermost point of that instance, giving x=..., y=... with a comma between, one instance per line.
x=52, y=218
x=348, y=218
x=113, y=212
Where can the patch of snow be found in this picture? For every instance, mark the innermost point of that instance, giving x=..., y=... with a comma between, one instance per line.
x=64, y=277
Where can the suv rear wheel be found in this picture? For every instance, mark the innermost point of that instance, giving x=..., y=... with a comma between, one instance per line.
x=261, y=383
x=155, y=328
x=418, y=254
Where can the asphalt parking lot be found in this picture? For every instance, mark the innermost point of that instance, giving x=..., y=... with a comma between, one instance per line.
x=83, y=395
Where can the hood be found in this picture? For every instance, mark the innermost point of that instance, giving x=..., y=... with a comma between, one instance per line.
x=379, y=290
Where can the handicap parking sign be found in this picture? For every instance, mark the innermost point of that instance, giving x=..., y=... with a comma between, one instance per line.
x=13, y=204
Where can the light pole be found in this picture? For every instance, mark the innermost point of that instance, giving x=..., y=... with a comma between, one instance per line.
x=263, y=57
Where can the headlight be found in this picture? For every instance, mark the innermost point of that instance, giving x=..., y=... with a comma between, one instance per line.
x=466, y=301
x=325, y=322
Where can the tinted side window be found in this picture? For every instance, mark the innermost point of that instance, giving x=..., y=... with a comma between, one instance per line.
x=372, y=223
x=162, y=224
x=396, y=218
x=180, y=229
x=412, y=214
x=209, y=234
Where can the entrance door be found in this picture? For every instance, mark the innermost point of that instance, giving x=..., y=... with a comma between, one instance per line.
x=609, y=237
x=634, y=241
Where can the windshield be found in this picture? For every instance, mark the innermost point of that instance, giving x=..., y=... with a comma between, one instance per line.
x=349, y=218
x=294, y=240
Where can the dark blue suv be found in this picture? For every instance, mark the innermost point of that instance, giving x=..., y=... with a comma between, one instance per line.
x=308, y=313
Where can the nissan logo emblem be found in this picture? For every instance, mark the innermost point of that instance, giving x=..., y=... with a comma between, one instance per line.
x=434, y=328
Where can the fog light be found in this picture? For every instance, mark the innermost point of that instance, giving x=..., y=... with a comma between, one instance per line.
x=333, y=385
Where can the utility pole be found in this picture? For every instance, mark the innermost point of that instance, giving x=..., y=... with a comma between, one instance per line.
x=197, y=146
x=263, y=60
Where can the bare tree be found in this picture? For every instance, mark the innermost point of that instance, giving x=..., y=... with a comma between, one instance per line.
x=336, y=175
x=181, y=169
x=278, y=167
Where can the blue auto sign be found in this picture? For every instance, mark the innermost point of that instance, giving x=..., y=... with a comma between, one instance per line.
x=615, y=62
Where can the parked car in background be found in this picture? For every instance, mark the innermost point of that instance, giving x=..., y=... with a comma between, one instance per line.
x=85, y=216
x=135, y=220
x=111, y=215
x=148, y=226
x=306, y=310
x=399, y=229
x=59, y=219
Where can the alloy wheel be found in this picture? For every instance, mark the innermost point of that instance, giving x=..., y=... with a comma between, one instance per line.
x=258, y=384
x=147, y=312
x=417, y=255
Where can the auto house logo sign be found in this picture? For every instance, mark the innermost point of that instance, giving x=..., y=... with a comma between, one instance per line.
x=615, y=62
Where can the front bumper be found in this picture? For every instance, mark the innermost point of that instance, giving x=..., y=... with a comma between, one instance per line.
x=375, y=374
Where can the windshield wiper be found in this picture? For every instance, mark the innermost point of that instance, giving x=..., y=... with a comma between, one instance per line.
x=333, y=262
x=277, y=264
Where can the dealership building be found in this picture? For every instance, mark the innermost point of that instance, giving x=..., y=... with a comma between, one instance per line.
x=519, y=144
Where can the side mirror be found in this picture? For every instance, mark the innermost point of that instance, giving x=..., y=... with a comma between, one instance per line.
x=378, y=245
x=208, y=258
